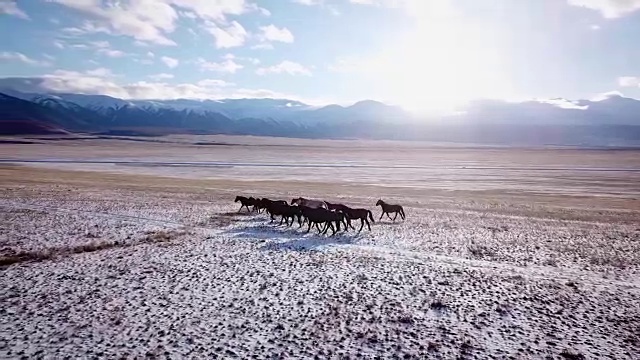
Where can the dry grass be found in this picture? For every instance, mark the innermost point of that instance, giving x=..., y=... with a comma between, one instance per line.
x=152, y=237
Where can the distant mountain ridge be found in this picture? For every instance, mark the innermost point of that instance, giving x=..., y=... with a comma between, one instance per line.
x=612, y=121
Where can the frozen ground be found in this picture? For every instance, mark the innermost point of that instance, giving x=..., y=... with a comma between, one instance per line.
x=136, y=266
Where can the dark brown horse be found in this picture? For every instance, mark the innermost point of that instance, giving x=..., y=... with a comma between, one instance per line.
x=353, y=214
x=288, y=212
x=323, y=216
x=309, y=203
x=264, y=203
x=246, y=202
x=389, y=208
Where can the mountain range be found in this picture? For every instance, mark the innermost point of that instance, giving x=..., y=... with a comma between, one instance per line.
x=611, y=121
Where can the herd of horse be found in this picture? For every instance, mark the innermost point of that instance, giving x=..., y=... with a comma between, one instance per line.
x=317, y=212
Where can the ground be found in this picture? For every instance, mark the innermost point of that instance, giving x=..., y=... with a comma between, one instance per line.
x=136, y=249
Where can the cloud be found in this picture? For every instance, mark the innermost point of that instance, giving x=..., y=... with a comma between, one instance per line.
x=629, y=81
x=148, y=20
x=100, y=72
x=229, y=36
x=610, y=9
x=161, y=76
x=16, y=56
x=112, y=53
x=228, y=65
x=285, y=67
x=272, y=33
x=308, y=2
x=214, y=83
x=10, y=7
x=64, y=81
x=170, y=62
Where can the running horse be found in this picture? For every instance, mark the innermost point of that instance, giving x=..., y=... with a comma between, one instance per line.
x=389, y=208
x=314, y=204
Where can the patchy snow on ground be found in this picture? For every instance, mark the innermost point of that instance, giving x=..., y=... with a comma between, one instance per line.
x=187, y=277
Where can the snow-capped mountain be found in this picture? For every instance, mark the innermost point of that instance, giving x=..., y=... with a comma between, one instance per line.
x=611, y=120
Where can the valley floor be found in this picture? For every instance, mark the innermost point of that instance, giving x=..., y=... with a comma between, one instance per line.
x=105, y=262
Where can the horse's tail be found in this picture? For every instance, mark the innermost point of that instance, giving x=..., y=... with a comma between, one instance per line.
x=370, y=216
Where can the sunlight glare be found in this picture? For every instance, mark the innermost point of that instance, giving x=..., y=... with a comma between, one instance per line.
x=442, y=64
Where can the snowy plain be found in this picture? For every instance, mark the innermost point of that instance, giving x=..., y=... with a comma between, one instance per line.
x=134, y=265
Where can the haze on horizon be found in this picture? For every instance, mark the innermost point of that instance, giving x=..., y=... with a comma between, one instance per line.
x=426, y=56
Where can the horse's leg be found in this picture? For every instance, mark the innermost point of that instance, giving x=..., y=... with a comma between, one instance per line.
x=368, y=225
x=309, y=228
x=381, y=215
x=394, y=218
x=326, y=227
x=361, y=225
x=389, y=216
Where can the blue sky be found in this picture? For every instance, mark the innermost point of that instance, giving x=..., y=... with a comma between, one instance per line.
x=421, y=54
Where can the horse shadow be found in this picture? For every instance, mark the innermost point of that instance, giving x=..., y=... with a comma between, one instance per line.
x=281, y=238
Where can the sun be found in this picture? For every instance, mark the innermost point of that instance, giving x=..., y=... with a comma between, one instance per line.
x=439, y=66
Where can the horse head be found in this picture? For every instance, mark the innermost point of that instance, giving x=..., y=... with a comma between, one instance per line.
x=237, y=199
x=380, y=202
x=296, y=201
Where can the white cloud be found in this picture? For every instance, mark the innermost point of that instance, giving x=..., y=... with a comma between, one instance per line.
x=151, y=54
x=16, y=56
x=144, y=20
x=264, y=46
x=83, y=83
x=609, y=8
x=111, y=53
x=229, y=36
x=161, y=76
x=285, y=67
x=308, y=2
x=170, y=62
x=629, y=81
x=59, y=44
x=151, y=21
x=227, y=66
x=272, y=33
x=100, y=72
x=214, y=83
x=10, y=7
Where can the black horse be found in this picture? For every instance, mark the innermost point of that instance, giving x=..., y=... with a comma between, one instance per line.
x=353, y=214
x=389, y=208
x=286, y=211
x=264, y=203
x=246, y=202
x=323, y=216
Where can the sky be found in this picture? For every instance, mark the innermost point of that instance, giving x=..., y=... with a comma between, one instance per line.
x=424, y=55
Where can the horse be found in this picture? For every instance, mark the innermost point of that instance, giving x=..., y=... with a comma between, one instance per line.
x=288, y=212
x=246, y=202
x=264, y=203
x=389, y=208
x=336, y=207
x=323, y=216
x=309, y=203
x=353, y=214
x=358, y=214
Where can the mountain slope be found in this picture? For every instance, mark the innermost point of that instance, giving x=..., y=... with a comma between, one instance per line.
x=613, y=121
